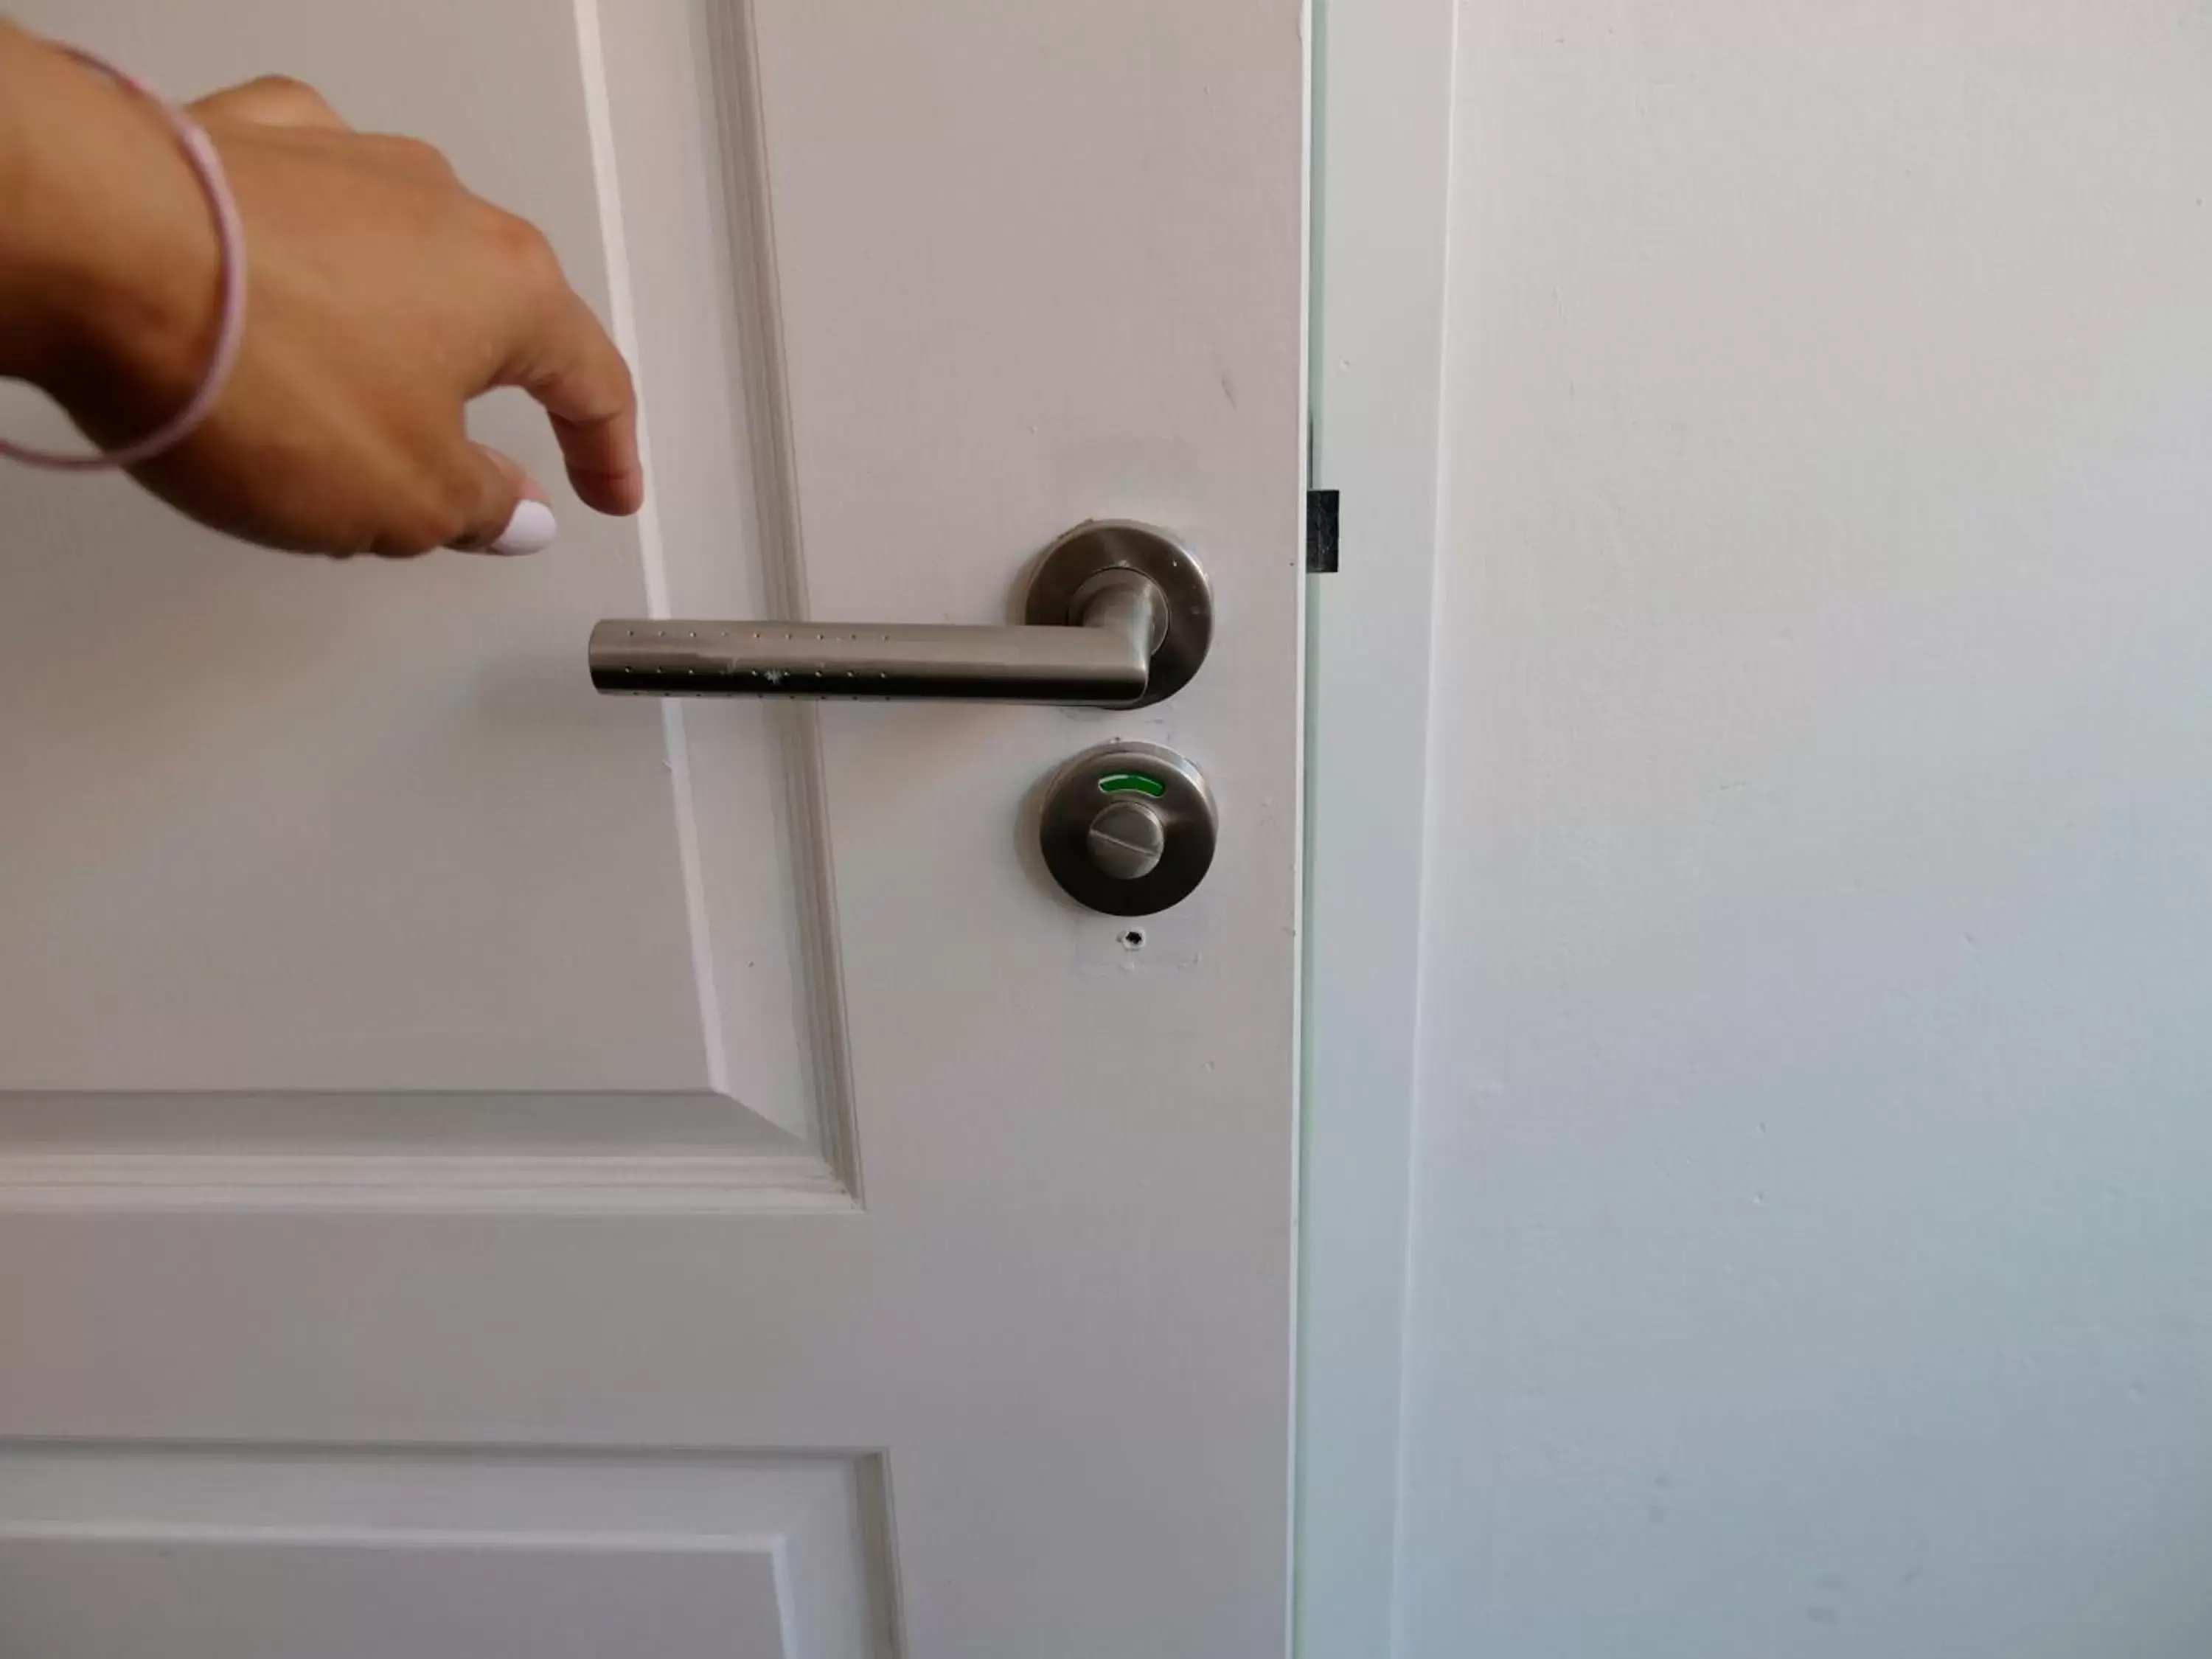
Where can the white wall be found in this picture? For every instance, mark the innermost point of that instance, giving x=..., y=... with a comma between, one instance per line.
x=1811, y=1240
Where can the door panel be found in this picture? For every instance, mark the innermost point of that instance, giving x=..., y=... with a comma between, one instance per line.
x=283, y=828
x=109, y=1553
x=416, y=1063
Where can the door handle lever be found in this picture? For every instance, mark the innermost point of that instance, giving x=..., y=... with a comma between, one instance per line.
x=1118, y=614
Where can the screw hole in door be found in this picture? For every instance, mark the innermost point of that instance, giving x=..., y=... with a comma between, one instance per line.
x=1133, y=939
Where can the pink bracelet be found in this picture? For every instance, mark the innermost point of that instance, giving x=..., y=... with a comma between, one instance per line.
x=207, y=167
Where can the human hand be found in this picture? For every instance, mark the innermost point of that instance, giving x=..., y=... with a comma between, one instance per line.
x=381, y=297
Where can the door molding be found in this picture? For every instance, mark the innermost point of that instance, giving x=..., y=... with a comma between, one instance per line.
x=554, y=1153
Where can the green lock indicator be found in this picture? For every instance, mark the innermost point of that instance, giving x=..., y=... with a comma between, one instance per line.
x=1131, y=783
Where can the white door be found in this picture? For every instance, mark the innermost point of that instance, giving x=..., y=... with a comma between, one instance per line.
x=489, y=1168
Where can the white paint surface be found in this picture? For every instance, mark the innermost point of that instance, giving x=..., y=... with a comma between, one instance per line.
x=408, y=1055
x=1813, y=1237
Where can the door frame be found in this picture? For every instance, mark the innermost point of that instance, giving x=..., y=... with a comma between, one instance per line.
x=1380, y=132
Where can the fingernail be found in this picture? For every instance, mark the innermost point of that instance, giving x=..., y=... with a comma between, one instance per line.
x=530, y=530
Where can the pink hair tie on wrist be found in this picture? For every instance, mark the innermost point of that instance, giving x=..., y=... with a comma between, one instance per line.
x=207, y=168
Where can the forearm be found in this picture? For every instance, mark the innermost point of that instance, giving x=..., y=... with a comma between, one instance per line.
x=25, y=287
x=104, y=245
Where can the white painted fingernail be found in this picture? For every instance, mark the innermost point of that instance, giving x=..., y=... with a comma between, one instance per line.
x=530, y=530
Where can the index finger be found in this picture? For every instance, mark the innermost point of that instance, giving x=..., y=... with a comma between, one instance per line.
x=570, y=366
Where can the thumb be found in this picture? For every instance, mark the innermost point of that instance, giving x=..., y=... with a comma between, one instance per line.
x=511, y=515
x=269, y=101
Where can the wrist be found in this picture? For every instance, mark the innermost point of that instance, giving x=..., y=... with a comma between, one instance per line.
x=108, y=260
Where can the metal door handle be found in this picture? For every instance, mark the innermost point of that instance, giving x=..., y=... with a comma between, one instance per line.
x=1118, y=614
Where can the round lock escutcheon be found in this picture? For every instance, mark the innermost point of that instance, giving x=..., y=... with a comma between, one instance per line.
x=1129, y=829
